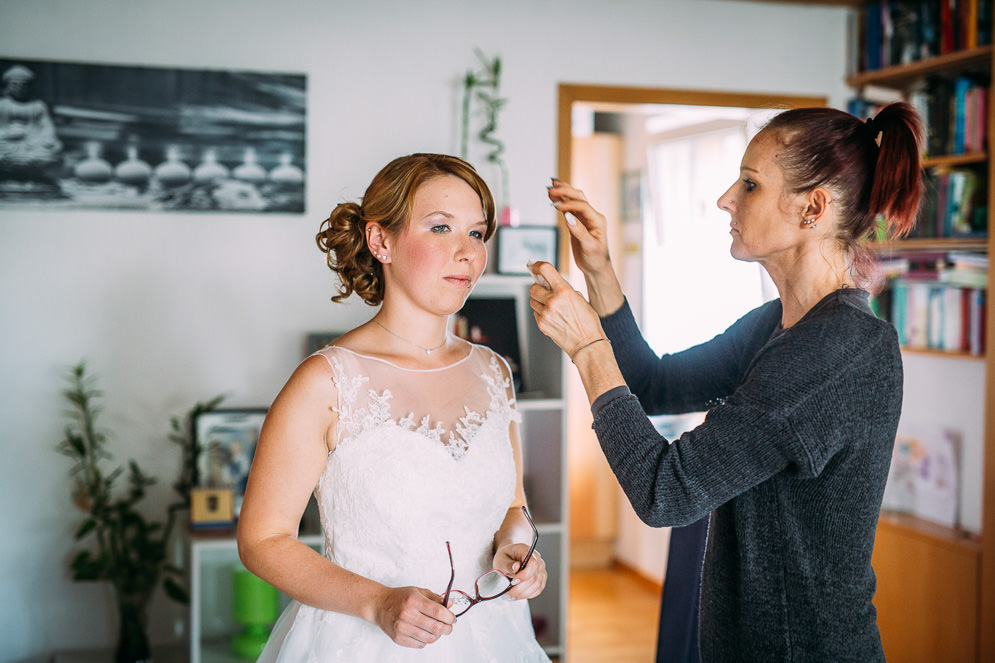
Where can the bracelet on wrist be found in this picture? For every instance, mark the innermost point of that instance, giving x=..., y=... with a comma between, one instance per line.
x=587, y=345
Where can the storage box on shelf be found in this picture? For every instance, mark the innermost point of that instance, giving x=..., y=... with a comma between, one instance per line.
x=936, y=585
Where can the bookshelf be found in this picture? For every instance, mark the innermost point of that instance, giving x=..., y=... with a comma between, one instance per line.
x=936, y=585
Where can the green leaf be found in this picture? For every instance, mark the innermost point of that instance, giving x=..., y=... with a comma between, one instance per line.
x=175, y=591
x=85, y=567
x=88, y=526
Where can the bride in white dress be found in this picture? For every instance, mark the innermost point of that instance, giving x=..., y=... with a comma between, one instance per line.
x=408, y=438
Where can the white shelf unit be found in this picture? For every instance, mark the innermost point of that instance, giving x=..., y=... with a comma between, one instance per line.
x=542, y=404
x=213, y=560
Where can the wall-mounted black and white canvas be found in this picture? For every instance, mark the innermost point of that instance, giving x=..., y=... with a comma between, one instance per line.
x=95, y=136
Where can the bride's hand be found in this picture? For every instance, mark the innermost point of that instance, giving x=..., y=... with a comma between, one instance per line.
x=530, y=581
x=412, y=616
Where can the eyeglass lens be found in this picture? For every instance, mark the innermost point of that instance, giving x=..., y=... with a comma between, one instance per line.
x=489, y=585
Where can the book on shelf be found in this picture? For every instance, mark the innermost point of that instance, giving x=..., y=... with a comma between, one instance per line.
x=955, y=205
x=924, y=477
x=966, y=269
x=896, y=32
x=936, y=300
x=932, y=314
x=954, y=111
x=968, y=260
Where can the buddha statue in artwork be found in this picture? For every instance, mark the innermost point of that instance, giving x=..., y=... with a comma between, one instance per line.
x=30, y=149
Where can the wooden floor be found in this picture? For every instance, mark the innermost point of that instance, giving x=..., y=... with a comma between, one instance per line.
x=612, y=617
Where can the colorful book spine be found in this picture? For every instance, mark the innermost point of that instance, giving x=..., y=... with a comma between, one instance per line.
x=934, y=315
x=895, y=32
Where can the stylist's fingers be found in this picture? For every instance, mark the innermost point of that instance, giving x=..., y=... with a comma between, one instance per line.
x=567, y=198
x=574, y=205
x=589, y=238
x=547, y=280
x=562, y=314
x=560, y=190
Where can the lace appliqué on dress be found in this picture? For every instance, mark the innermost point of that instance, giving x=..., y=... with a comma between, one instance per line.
x=354, y=421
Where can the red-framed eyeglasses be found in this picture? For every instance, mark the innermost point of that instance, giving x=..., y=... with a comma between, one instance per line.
x=489, y=585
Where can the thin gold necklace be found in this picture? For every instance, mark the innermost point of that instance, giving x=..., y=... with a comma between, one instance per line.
x=427, y=351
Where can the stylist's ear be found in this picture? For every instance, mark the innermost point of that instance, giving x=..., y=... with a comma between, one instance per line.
x=818, y=204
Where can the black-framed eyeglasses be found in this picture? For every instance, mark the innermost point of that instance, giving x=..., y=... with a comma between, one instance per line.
x=488, y=586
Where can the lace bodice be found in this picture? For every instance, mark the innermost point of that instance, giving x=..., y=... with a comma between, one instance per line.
x=421, y=457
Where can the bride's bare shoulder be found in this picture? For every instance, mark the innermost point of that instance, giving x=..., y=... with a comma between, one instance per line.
x=313, y=377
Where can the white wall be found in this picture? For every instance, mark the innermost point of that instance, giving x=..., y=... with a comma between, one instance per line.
x=174, y=308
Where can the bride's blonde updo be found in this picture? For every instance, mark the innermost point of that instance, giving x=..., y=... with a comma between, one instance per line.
x=387, y=202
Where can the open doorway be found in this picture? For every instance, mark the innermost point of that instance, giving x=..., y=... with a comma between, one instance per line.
x=654, y=161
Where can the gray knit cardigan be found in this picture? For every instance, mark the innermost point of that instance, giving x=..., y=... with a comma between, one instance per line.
x=791, y=463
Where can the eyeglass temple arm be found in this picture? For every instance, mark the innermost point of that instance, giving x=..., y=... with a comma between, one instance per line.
x=535, y=538
x=452, y=575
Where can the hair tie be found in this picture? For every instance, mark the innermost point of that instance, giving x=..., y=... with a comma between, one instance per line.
x=869, y=123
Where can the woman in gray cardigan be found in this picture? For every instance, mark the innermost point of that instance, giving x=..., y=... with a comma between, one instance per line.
x=803, y=394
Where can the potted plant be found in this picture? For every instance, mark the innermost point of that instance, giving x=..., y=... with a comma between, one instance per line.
x=129, y=550
x=484, y=85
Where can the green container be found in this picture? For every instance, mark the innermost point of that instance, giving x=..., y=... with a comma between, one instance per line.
x=256, y=606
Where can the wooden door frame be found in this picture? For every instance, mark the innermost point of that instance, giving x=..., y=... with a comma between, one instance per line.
x=568, y=94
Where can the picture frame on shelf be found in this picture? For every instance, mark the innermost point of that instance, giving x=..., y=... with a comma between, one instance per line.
x=519, y=245
x=632, y=196
x=212, y=509
x=227, y=442
x=493, y=321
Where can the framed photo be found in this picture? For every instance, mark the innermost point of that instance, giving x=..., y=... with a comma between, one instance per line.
x=493, y=321
x=211, y=508
x=632, y=195
x=160, y=139
x=227, y=442
x=519, y=245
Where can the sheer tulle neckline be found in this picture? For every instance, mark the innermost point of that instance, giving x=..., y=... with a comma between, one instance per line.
x=387, y=362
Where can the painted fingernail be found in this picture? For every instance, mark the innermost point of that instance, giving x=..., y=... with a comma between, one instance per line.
x=571, y=219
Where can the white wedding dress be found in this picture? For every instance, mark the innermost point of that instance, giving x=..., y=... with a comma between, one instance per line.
x=422, y=457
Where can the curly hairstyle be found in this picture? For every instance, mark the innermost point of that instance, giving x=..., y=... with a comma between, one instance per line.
x=387, y=202
x=872, y=167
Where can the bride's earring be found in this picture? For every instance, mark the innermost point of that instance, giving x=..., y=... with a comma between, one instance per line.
x=381, y=253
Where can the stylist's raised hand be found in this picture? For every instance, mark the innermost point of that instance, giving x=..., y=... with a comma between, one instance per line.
x=413, y=617
x=561, y=312
x=589, y=243
x=589, y=237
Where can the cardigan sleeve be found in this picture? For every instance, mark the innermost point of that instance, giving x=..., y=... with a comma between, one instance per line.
x=791, y=413
x=695, y=379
